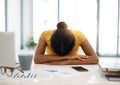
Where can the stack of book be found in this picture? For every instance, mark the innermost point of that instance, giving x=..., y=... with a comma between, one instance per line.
x=111, y=70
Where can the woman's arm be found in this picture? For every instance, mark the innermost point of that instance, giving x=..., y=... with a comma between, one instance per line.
x=66, y=62
x=84, y=60
x=40, y=56
x=89, y=51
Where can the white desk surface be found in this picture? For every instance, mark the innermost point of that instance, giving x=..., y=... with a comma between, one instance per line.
x=41, y=74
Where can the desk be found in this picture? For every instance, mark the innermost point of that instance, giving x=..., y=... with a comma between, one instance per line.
x=58, y=75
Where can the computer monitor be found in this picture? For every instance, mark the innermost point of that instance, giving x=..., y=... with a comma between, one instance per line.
x=7, y=49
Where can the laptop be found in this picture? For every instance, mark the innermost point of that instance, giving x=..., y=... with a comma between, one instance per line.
x=7, y=49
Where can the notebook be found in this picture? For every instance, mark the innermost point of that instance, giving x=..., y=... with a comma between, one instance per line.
x=7, y=49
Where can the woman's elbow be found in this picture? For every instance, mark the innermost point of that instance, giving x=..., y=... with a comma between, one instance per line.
x=96, y=60
x=36, y=60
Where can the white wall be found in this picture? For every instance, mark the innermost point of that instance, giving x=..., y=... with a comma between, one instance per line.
x=2, y=15
x=14, y=19
x=27, y=19
x=19, y=19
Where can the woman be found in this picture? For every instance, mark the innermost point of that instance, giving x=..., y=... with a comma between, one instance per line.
x=62, y=47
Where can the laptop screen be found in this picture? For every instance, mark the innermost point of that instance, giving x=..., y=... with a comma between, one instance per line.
x=7, y=49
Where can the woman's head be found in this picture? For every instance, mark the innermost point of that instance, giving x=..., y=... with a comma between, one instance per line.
x=62, y=40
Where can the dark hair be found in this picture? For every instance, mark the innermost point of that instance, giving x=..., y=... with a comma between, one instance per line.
x=62, y=40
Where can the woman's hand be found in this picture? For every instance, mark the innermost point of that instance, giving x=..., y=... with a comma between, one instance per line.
x=79, y=57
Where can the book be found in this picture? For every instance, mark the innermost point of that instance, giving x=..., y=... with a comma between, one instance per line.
x=112, y=77
x=110, y=67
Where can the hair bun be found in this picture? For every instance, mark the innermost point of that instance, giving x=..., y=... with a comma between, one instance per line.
x=62, y=25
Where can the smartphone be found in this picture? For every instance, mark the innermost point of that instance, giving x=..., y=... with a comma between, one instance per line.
x=80, y=69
